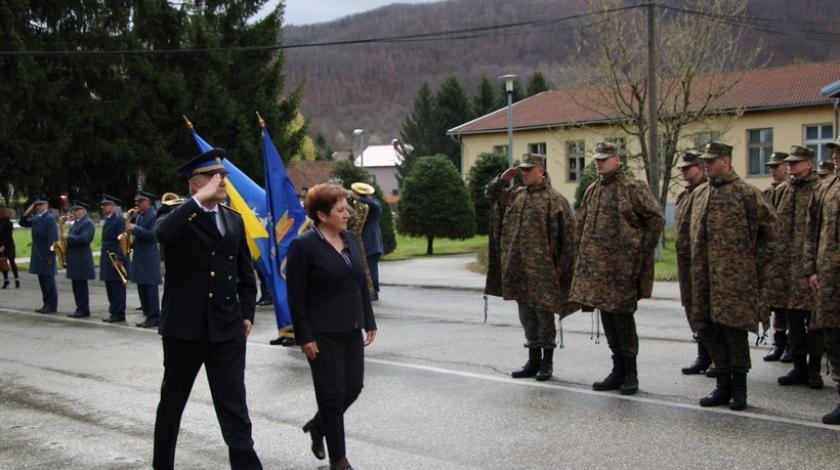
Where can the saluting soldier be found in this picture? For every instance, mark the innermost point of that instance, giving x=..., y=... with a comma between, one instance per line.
x=42, y=261
x=112, y=226
x=731, y=231
x=537, y=253
x=145, y=265
x=775, y=285
x=208, y=310
x=791, y=200
x=825, y=170
x=619, y=224
x=80, y=257
x=822, y=265
x=691, y=168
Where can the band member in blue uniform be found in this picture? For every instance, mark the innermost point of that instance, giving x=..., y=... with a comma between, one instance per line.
x=112, y=226
x=79, y=257
x=42, y=262
x=145, y=266
x=208, y=309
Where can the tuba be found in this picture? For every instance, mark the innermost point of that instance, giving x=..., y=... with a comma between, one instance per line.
x=119, y=267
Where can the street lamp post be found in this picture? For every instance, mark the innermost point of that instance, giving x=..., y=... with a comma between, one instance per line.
x=509, y=79
x=361, y=134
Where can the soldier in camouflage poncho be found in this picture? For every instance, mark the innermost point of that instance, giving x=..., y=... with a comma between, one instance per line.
x=774, y=288
x=791, y=200
x=822, y=266
x=619, y=224
x=731, y=231
x=536, y=255
x=691, y=168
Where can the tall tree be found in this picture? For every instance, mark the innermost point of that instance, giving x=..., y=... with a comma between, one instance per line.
x=536, y=84
x=485, y=100
x=693, y=51
x=420, y=133
x=487, y=167
x=453, y=109
x=435, y=203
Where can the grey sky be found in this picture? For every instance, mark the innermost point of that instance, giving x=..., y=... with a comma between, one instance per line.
x=316, y=11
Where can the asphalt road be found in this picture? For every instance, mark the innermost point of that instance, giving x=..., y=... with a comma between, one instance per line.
x=81, y=394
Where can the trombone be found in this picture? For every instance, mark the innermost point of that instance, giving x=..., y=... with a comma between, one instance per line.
x=119, y=267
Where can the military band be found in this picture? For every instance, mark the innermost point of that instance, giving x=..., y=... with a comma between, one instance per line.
x=42, y=263
x=113, y=258
x=145, y=263
x=79, y=257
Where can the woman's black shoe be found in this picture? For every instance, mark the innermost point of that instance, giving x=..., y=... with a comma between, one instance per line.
x=5, y=283
x=17, y=283
x=340, y=464
x=317, y=441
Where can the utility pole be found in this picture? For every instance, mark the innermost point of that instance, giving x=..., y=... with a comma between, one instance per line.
x=653, y=137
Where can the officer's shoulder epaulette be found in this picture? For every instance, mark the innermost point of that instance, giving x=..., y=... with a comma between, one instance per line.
x=230, y=209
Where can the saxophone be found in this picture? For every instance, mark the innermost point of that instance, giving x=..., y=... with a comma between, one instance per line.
x=59, y=247
x=125, y=238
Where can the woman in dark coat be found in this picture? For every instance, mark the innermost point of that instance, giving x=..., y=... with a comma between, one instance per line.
x=7, y=245
x=330, y=305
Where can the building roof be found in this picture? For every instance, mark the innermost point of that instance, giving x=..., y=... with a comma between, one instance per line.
x=792, y=86
x=306, y=174
x=379, y=156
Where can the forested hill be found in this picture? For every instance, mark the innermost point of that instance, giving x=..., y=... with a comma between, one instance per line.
x=372, y=86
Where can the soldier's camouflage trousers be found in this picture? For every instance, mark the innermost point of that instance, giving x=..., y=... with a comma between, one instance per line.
x=538, y=324
x=803, y=340
x=831, y=337
x=620, y=329
x=729, y=347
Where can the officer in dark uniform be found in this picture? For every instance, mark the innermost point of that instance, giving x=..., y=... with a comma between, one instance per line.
x=145, y=267
x=113, y=225
x=42, y=262
x=208, y=309
x=80, y=258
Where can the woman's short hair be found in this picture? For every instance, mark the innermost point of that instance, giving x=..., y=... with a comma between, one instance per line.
x=321, y=198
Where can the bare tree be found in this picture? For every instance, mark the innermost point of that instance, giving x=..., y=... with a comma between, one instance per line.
x=700, y=51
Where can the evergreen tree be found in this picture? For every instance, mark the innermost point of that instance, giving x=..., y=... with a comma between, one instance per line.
x=537, y=84
x=487, y=167
x=453, y=109
x=421, y=131
x=435, y=203
x=485, y=101
x=349, y=173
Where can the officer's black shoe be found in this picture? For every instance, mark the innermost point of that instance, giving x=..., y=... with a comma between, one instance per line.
x=317, y=440
x=787, y=355
x=46, y=310
x=615, y=378
x=148, y=324
x=265, y=301
x=113, y=320
x=546, y=365
x=739, y=391
x=833, y=417
x=712, y=372
x=815, y=380
x=797, y=375
x=631, y=378
x=79, y=315
x=40, y=310
x=721, y=394
x=779, y=344
x=531, y=367
x=699, y=366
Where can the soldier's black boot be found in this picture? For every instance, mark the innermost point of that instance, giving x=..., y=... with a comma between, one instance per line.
x=700, y=364
x=546, y=365
x=531, y=367
x=799, y=373
x=722, y=392
x=787, y=355
x=834, y=416
x=631, y=378
x=739, y=391
x=779, y=344
x=814, y=377
x=614, y=380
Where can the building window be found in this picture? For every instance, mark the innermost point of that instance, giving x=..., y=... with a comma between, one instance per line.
x=537, y=148
x=576, y=153
x=815, y=139
x=760, y=147
x=703, y=138
x=500, y=149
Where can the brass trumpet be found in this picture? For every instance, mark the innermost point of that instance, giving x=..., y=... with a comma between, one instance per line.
x=119, y=267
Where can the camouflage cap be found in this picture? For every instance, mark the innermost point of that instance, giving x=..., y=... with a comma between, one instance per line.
x=825, y=167
x=605, y=150
x=715, y=150
x=799, y=154
x=835, y=144
x=688, y=158
x=530, y=160
x=776, y=159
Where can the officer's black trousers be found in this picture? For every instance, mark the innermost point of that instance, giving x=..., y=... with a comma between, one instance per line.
x=337, y=373
x=803, y=340
x=116, y=299
x=49, y=293
x=149, y=301
x=80, y=295
x=225, y=366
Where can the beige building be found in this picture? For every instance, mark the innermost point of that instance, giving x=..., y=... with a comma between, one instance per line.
x=770, y=109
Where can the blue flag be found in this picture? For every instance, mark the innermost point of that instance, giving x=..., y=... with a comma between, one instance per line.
x=286, y=215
